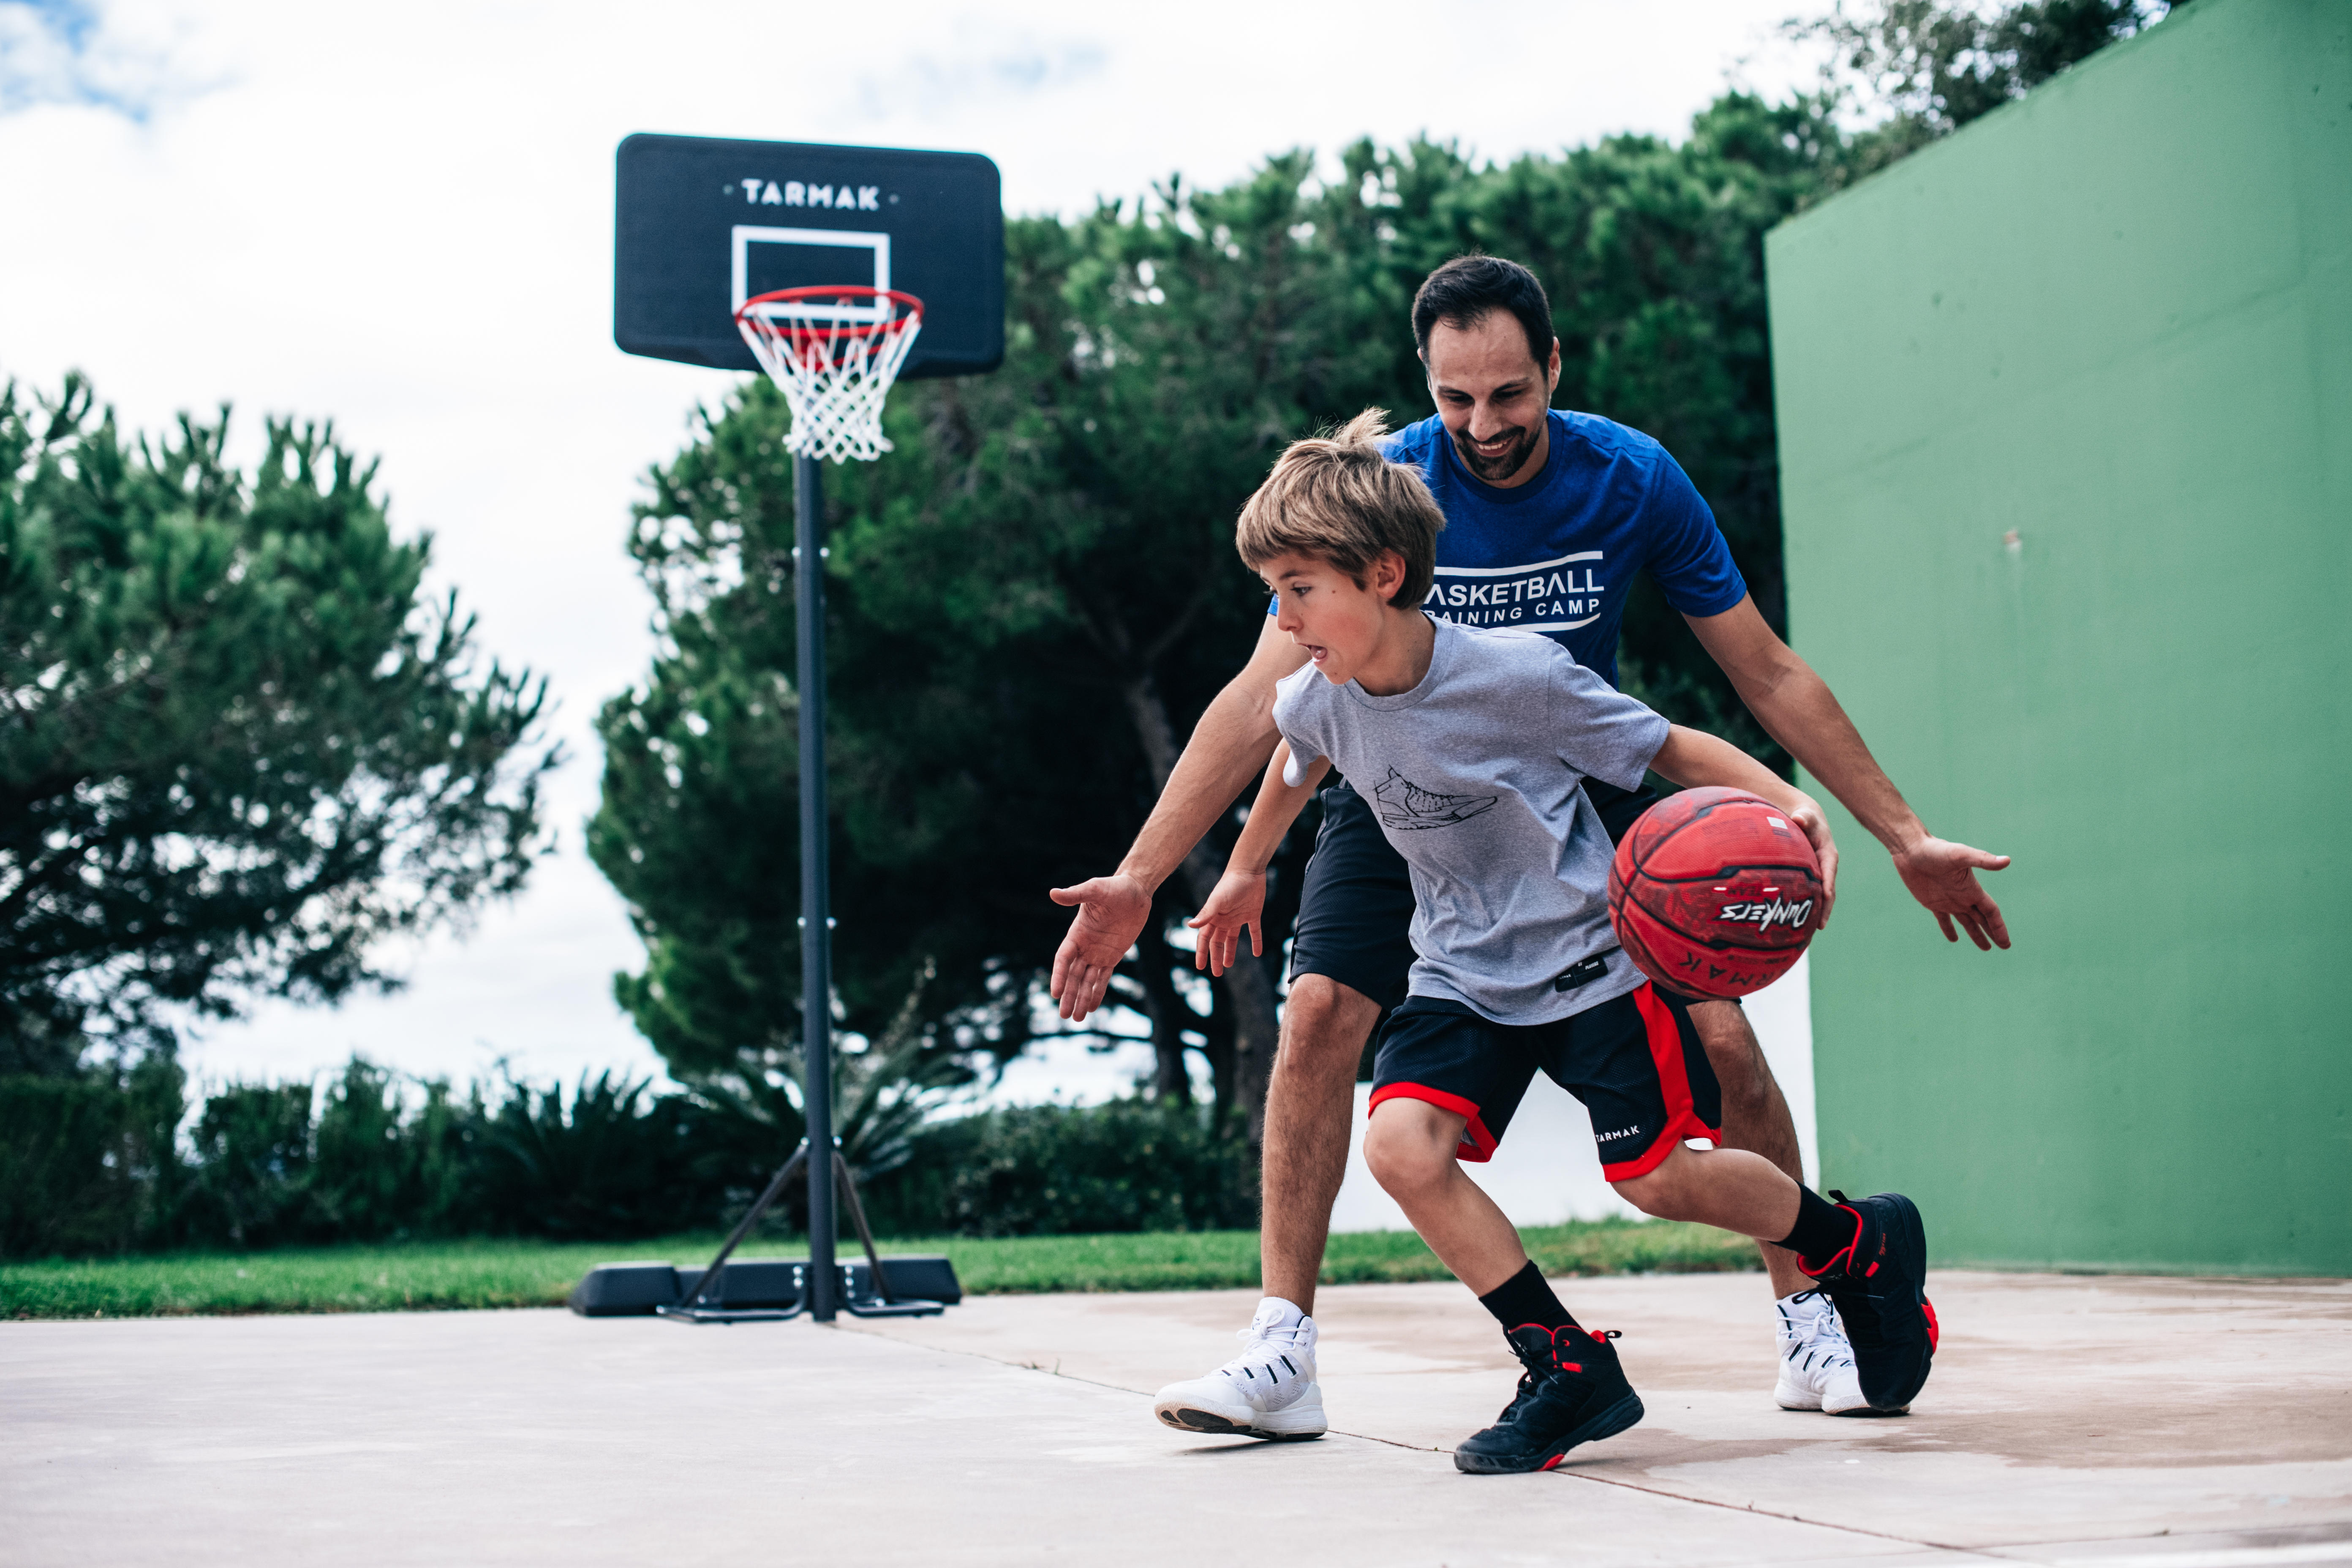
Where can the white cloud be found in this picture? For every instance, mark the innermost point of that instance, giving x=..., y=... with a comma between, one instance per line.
x=70, y=52
x=402, y=218
x=975, y=66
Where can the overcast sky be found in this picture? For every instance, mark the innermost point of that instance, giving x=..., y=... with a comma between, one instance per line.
x=400, y=218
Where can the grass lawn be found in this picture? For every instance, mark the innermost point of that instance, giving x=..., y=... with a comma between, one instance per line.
x=426, y=1276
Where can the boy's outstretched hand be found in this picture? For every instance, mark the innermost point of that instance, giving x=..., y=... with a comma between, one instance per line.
x=1111, y=913
x=1238, y=901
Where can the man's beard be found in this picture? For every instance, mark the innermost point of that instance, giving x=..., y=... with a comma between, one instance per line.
x=1495, y=470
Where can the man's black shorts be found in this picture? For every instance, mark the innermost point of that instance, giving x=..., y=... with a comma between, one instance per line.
x=1355, y=912
x=1635, y=1061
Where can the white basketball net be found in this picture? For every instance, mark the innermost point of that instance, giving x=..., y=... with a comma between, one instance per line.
x=835, y=353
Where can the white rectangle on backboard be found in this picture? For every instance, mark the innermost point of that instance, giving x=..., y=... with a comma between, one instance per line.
x=749, y=235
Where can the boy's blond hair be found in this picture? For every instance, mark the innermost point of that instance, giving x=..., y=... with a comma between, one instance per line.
x=1337, y=498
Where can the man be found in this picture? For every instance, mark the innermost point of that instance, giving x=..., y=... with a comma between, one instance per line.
x=1549, y=517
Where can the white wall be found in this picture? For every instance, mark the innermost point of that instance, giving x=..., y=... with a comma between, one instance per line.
x=1546, y=1171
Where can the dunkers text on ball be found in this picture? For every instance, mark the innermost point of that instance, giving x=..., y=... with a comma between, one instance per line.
x=1792, y=912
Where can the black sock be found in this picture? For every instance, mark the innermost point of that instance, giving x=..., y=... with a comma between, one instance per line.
x=1525, y=1297
x=1823, y=1230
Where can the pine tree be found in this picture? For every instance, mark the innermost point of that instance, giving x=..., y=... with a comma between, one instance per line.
x=240, y=745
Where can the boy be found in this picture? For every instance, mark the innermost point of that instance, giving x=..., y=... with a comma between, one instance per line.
x=1473, y=745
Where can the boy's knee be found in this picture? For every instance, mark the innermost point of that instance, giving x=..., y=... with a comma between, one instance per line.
x=1642, y=1192
x=1404, y=1151
x=1658, y=1191
x=1390, y=1157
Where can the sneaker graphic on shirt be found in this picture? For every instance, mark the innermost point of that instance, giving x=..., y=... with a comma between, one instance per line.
x=1404, y=804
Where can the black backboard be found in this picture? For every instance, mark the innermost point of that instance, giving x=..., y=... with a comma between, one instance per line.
x=701, y=224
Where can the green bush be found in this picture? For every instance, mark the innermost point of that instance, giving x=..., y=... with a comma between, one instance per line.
x=87, y=1164
x=253, y=1168
x=98, y=1163
x=612, y=1161
x=65, y=1182
x=1051, y=1170
x=383, y=1168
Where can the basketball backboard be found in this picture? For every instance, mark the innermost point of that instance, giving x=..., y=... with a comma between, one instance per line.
x=702, y=224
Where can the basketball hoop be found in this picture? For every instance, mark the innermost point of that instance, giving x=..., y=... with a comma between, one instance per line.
x=707, y=270
x=835, y=350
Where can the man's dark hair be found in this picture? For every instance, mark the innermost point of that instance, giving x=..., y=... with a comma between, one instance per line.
x=1468, y=289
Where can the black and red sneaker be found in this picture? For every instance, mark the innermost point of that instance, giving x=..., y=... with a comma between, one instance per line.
x=1879, y=1284
x=1572, y=1392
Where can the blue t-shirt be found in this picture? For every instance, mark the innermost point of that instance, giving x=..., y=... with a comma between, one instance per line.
x=1558, y=554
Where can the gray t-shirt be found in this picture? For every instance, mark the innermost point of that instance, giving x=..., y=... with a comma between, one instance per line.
x=1477, y=776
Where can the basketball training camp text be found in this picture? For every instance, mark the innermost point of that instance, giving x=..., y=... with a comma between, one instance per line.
x=1546, y=597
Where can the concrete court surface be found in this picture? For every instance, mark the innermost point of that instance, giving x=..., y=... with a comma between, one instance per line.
x=2132, y=1423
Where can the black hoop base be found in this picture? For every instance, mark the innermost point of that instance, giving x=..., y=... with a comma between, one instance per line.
x=773, y=1290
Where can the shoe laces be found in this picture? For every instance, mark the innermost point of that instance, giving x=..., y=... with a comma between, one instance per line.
x=1538, y=1372
x=1819, y=1339
x=1554, y=1354
x=1263, y=1356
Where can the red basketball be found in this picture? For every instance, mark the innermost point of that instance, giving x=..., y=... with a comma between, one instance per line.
x=1715, y=893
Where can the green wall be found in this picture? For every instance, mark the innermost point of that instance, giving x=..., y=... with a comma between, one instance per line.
x=2113, y=320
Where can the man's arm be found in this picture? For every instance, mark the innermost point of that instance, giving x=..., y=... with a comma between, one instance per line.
x=1797, y=708
x=1229, y=746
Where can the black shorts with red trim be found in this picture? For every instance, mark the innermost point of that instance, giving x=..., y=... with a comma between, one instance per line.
x=1355, y=906
x=1635, y=1061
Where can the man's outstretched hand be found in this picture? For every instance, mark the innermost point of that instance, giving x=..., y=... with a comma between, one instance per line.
x=1111, y=913
x=1942, y=876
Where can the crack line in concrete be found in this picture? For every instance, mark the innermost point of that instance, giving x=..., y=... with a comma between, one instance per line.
x=2234, y=1558
x=1976, y=1552
x=1416, y=1448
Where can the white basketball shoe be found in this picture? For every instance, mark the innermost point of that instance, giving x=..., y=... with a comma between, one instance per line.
x=1267, y=1391
x=1817, y=1370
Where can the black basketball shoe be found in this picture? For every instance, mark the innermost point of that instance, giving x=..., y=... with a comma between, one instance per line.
x=1572, y=1392
x=1879, y=1283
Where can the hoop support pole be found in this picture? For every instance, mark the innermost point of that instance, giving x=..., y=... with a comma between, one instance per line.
x=816, y=888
